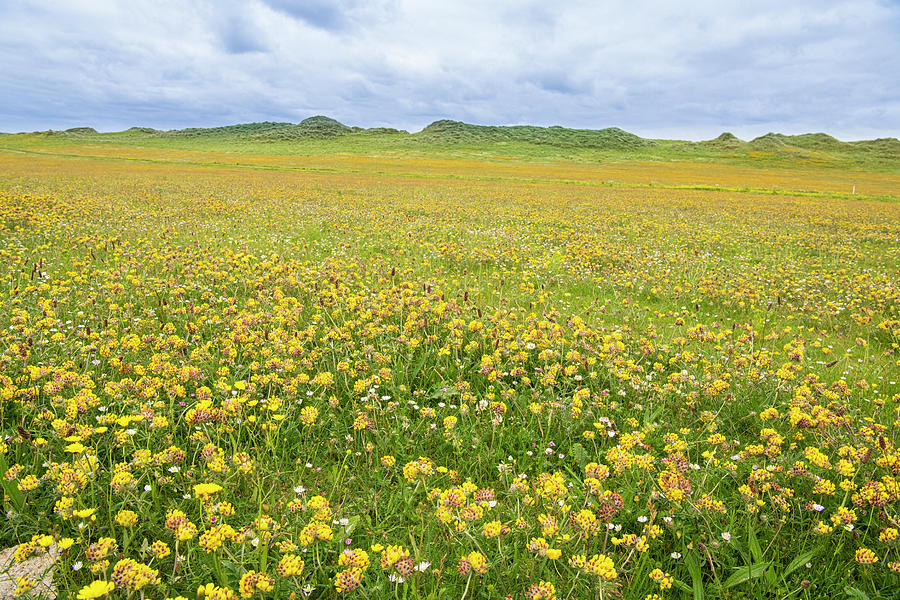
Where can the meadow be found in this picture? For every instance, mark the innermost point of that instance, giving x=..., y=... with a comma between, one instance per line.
x=492, y=372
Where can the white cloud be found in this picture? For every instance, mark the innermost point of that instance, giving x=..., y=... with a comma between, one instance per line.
x=657, y=68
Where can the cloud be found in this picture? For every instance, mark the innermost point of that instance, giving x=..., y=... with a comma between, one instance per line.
x=240, y=37
x=653, y=67
x=330, y=15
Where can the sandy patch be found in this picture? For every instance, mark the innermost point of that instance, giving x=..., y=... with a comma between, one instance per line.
x=37, y=568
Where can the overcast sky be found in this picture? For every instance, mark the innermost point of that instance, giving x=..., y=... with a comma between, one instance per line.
x=659, y=68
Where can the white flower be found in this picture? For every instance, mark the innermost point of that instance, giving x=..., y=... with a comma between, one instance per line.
x=299, y=489
x=423, y=565
x=676, y=555
x=642, y=519
x=726, y=536
x=148, y=487
x=76, y=566
x=818, y=507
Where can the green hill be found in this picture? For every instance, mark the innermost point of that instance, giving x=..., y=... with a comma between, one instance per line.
x=321, y=134
x=80, y=131
x=446, y=131
x=812, y=141
x=318, y=127
x=725, y=141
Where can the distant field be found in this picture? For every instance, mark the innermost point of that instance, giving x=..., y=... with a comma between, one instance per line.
x=370, y=365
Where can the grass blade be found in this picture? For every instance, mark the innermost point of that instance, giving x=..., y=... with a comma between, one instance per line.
x=693, y=566
x=757, y=552
x=746, y=573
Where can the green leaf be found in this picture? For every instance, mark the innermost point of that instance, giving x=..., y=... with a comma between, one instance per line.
x=745, y=573
x=443, y=393
x=797, y=563
x=12, y=487
x=755, y=548
x=651, y=417
x=852, y=592
x=693, y=566
x=757, y=552
x=354, y=521
x=580, y=454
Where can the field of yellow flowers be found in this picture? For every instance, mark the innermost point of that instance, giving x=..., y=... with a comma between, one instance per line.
x=221, y=382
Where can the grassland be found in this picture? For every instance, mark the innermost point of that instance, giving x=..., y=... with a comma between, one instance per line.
x=466, y=365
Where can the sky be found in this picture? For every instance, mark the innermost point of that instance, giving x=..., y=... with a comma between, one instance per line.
x=658, y=68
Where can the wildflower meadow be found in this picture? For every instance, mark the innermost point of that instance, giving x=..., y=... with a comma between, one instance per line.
x=245, y=376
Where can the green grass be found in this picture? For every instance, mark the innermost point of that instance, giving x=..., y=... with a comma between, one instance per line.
x=120, y=272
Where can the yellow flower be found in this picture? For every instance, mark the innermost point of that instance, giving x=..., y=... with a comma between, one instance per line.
x=492, y=529
x=290, y=565
x=23, y=586
x=663, y=579
x=309, y=415
x=202, y=490
x=97, y=589
x=865, y=556
x=127, y=518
